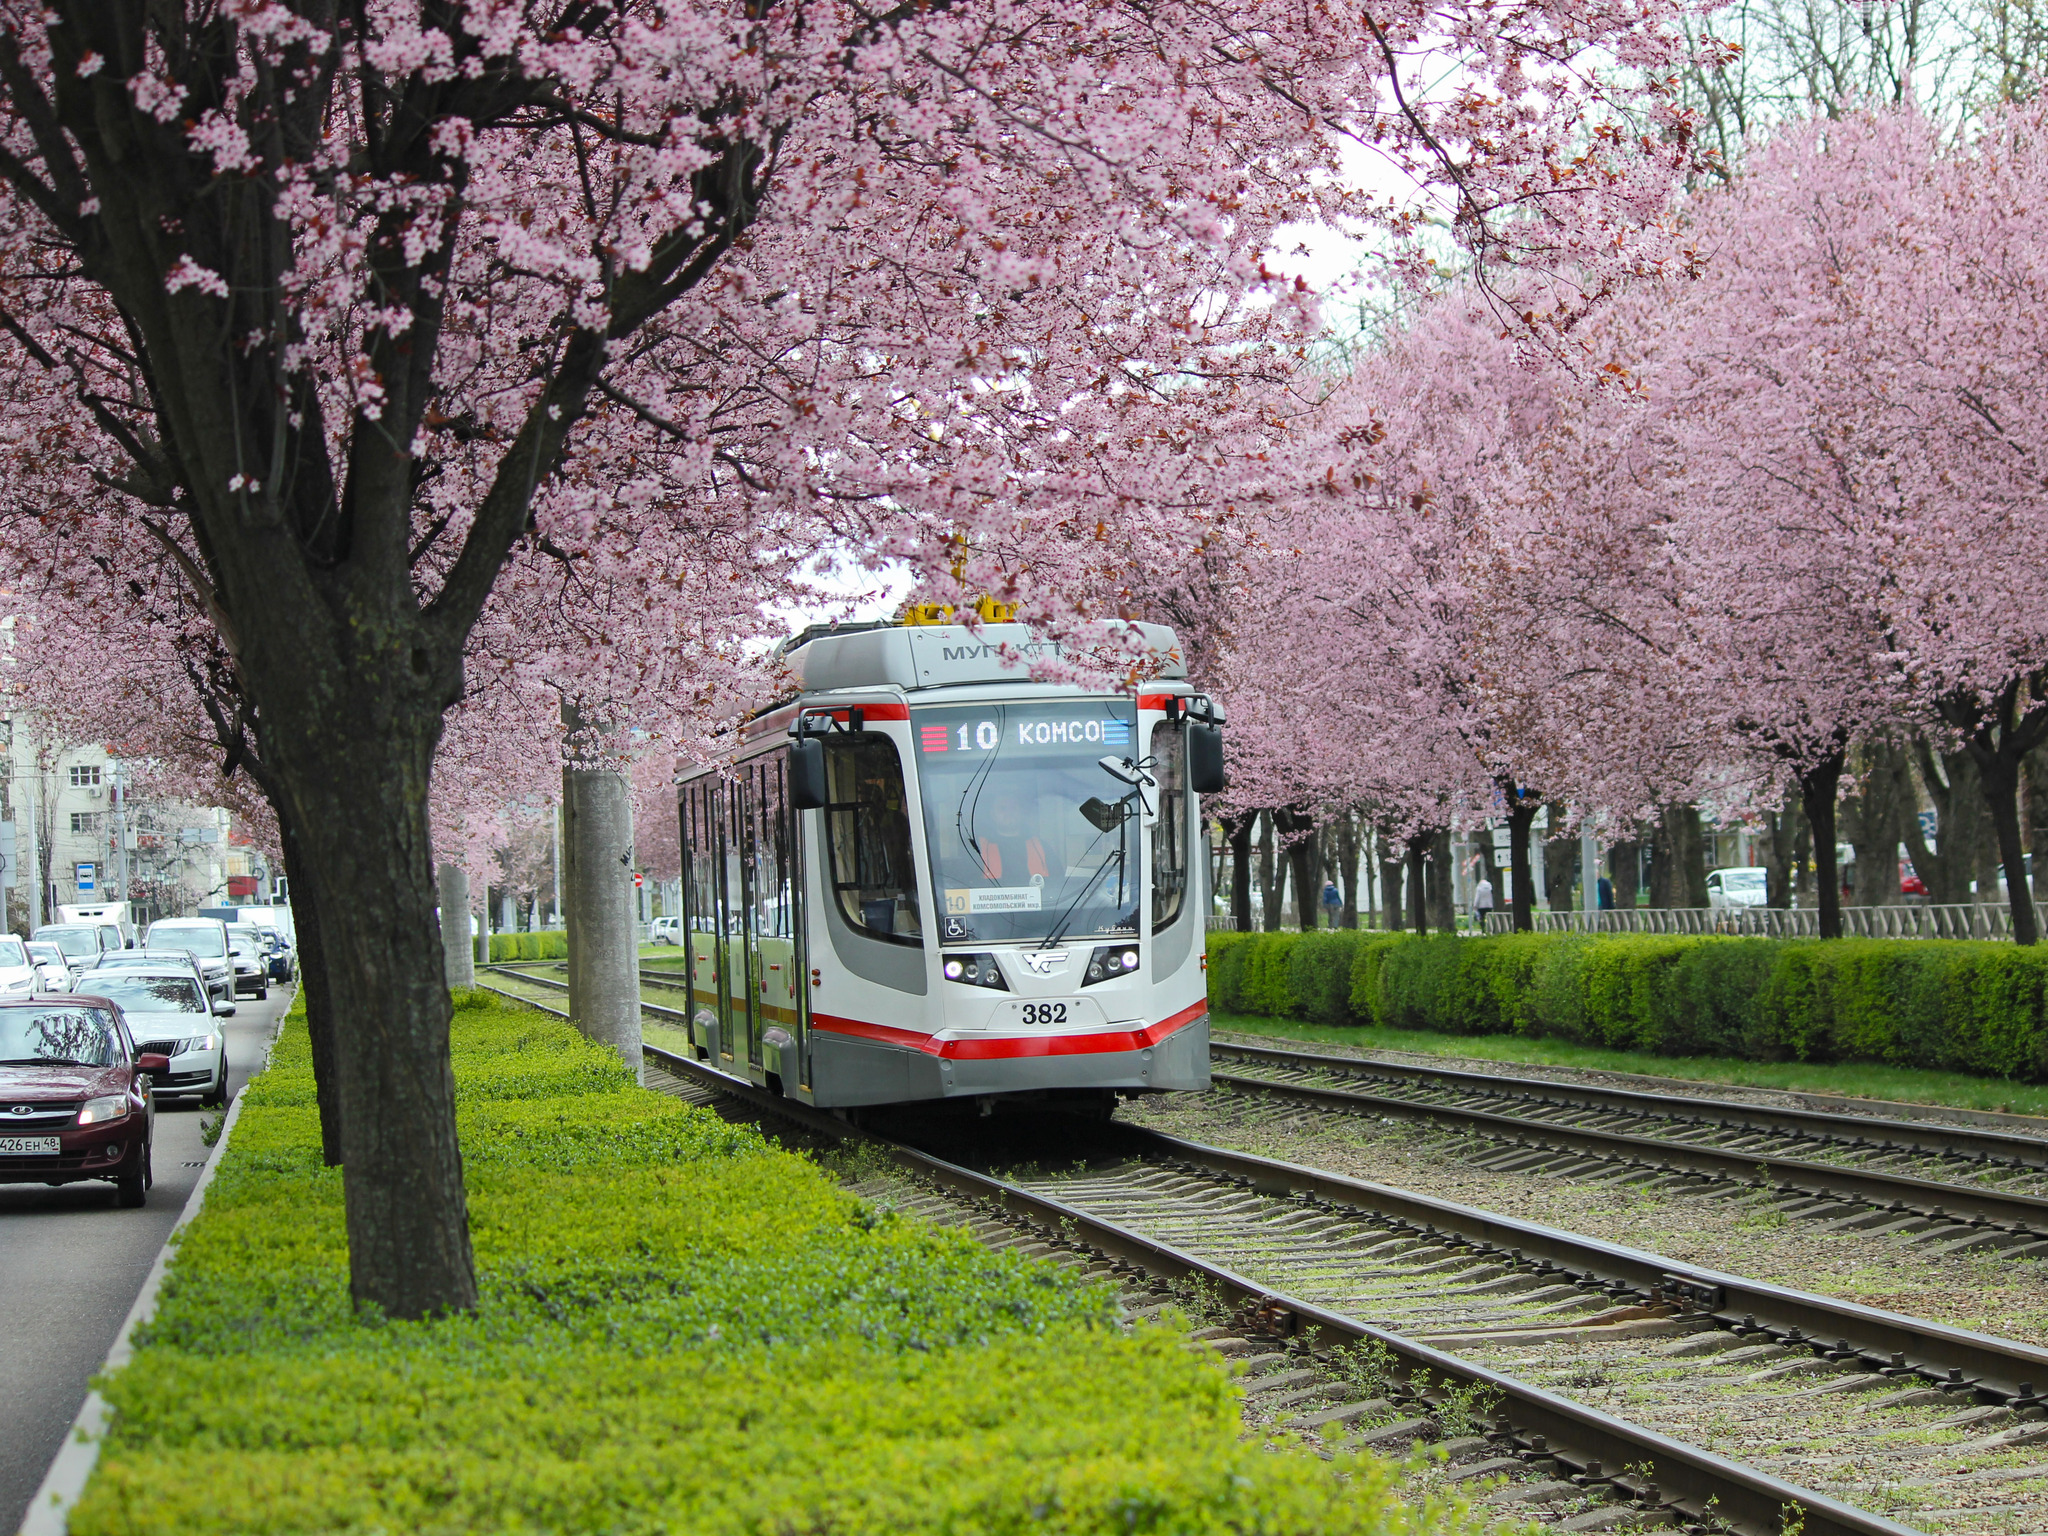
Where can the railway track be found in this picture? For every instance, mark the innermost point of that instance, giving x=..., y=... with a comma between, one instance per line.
x=1955, y=1188
x=1375, y=1315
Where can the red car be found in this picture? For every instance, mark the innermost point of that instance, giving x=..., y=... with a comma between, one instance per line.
x=75, y=1098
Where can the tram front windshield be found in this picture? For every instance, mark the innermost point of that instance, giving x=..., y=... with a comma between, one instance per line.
x=1031, y=837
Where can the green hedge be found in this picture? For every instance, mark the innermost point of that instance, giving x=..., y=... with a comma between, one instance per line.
x=551, y=944
x=1954, y=1005
x=683, y=1329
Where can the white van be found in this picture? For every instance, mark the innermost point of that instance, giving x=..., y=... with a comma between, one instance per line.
x=103, y=914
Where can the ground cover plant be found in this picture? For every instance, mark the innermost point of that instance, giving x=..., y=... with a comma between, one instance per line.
x=682, y=1328
x=1944, y=1007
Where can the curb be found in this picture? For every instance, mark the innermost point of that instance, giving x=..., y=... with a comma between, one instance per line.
x=49, y=1512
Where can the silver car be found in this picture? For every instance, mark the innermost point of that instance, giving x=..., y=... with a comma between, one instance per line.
x=169, y=1014
x=207, y=940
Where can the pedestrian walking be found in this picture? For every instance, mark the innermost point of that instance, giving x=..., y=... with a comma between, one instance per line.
x=1332, y=900
x=1606, y=892
x=1482, y=903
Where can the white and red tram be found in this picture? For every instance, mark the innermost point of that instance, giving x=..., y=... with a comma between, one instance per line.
x=926, y=877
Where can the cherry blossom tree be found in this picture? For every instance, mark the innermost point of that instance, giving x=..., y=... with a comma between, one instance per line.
x=352, y=313
x=1846, y=409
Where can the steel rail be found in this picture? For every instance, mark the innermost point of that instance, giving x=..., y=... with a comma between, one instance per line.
x=1915, y=1135
x=2022, y=1215
x=1698, y=1484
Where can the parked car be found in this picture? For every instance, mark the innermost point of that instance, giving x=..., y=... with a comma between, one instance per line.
x=1740, y=886
x=82, y=943
x=18, y=974
x=167, y=1010
x=284, y=964
x=207, y=940
x=76, y=1099
x=251, y=957
x=52, y=969
x=1910, y=883
x=667, y=930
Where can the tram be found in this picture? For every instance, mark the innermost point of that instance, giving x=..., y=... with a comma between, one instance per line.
x=926, y=877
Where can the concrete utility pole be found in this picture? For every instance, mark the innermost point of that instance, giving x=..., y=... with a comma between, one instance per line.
x=458, y=958
x=1589, y=871
x=596, y=875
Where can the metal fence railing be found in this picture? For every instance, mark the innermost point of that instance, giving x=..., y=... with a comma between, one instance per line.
x=1978, y=920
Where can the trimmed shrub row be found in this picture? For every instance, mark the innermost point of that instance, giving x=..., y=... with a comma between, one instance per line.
x=549, y=944
x=1953, y=1005
x=682, y=1329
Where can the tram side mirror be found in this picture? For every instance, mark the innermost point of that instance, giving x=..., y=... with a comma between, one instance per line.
x=1205, y=759
x=1103, y=816
x=807, y=774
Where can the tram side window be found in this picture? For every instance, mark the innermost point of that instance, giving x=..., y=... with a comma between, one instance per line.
x=867, y=838
x=699, y=809
x=1170, y=836
x=773, y=869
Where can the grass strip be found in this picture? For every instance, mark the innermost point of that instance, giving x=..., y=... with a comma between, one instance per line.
x=683, y=1329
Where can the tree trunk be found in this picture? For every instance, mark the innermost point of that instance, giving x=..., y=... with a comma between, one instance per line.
x=1560, y=871
x=1678, y=862
x=597, y=888
x=2037, y=817
x=1870, y=823
x=1347, y=867
x=352, y=761
x=1301, y=865
x=314, y=988
x=1522, y=806
x=1962, y=824
x=1269, y=895
x=2001, y=790
x=1998, y=734
x=1779, y=850
x=1440, y=884
x=1239, y=829
x=1817, y=787
x=1625, y=871
x=1393, y=910
x=1418, y=912
x=458, y=954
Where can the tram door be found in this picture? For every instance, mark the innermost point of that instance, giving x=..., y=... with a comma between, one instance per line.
x=749, y=1005
x=701, y=811
x=772, y=922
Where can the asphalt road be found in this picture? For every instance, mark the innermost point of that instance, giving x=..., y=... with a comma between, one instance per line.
x=71, y=1263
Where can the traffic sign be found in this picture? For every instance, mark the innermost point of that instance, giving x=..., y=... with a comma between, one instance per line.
x=88, y=875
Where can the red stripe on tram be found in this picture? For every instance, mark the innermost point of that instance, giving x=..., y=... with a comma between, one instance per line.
x=1012, y=1047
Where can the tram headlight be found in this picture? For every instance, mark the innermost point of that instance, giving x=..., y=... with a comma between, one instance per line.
x=1109, y=961
x=975, y=971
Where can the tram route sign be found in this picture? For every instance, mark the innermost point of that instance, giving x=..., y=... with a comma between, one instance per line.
x=971, y=731
x=962, y=901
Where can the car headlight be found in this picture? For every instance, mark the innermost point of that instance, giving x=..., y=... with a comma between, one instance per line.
x=113, y=1106
x=199, y=1043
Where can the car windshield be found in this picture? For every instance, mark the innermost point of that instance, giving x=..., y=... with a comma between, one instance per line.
x=1030, y=836
x=245, y=941
x=57, y=1037
x=149, y=994
x=1743, y=879
x=77, y=943
x=12, y=955
x=46, y=954
x=200, y=940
